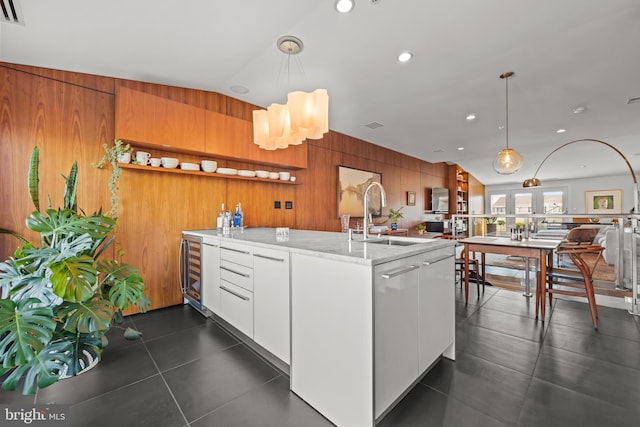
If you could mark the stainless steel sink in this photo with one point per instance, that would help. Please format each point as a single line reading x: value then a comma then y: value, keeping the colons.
x: 391, y: 242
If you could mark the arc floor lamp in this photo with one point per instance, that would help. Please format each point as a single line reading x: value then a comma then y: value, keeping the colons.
x: 535, y: 182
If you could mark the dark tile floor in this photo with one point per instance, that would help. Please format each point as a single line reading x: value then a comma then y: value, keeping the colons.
x: 511, y: 370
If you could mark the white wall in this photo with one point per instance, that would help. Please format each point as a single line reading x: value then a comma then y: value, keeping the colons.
x: 577, y: 188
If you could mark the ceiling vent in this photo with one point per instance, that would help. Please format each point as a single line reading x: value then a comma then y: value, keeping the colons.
x: 374, y: 125
x: 11, y: 12
x: 633, y: 100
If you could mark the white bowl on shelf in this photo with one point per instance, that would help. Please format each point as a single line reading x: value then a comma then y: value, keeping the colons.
x: 169, y: 162
x: 274, y: 175
x: 262, y: 174
x: 209, y: 165
x: 284, y: 176
x: 185, y: 166
x: 227, y: 171
x: 247, y: 173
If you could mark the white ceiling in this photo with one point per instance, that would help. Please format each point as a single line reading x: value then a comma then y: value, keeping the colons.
x: 565, y: 53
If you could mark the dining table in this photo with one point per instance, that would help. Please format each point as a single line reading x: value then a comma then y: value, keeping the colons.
x: 538, y: 249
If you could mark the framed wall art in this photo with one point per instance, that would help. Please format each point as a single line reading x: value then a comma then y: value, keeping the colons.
x: 351, y: 186
x: 411, y: 198
x: 603, y: 201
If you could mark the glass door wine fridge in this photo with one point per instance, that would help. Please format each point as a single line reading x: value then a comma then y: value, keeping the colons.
x: 190, y: 269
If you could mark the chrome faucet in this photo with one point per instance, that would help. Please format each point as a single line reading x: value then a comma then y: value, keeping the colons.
x: 383, y: 198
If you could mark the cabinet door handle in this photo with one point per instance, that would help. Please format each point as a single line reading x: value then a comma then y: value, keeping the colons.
x: 436, y: 260
x: 400, y: 271
x: 269, y: 257
x: 236, y: 250
x: 209, y: 244
x: 242, y: 297
x: 233, y: 271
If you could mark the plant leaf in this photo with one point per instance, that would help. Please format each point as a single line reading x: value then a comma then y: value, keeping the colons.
x: 132, y: 334
x: 125, y: 286
x: 33, y: 179
x: 60, y: 223
x: 43, y: 369
x: 86, y: 348
x: 74, y: 278
x: 70, y: 188
x: 86, y: 317
x: 25, y: 329
x: 14, y: 234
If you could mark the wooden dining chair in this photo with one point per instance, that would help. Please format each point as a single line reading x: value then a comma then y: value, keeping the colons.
x: 474, y: 266
x: 582, y: 282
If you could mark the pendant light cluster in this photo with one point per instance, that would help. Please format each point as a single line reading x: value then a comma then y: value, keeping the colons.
x: 508, y: 161
x: 305, y: 115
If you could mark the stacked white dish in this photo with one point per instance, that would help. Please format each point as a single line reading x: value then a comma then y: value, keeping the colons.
x: 274, y: 175
x: 284, y: 176
x: 169, y: 162
x: 189, y: 166
x: 209, y: 165
x: 262, y: 174
x: 247, y: 173
x: 227, y: 171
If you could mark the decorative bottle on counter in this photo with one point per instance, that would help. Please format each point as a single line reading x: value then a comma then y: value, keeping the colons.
x: 220, y: 220
x: 237, y: 217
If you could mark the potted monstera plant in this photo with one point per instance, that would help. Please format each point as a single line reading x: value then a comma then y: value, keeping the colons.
x: 59, y: 296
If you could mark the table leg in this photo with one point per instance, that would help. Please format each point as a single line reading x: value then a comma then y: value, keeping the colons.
x: 542, y: 281
x: 466, y: 274
x: 527, y: 284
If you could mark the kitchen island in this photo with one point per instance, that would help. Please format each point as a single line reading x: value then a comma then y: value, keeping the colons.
x: 363, y: 321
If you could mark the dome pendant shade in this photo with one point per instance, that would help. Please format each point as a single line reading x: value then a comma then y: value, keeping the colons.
x: 507, y: 162
x: 531, y: 183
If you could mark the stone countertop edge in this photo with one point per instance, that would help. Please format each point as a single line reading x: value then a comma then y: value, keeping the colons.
x: 328, y: 244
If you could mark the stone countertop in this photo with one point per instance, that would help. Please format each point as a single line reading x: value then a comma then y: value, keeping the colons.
x: 330, y: 245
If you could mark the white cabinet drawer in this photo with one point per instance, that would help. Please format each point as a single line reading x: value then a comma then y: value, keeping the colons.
x: 236, y: 307
x: 239, y: 254
x: 237, y: 274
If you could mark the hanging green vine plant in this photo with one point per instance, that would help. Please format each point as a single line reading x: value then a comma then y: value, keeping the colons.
x: 118, y: 153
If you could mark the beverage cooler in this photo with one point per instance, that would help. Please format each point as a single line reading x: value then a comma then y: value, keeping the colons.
x: 190, y: 270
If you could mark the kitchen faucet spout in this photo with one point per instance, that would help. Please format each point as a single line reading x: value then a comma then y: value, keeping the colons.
x: 383, y: 198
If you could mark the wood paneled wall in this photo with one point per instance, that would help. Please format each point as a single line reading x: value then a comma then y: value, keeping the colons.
x: 70, y: 115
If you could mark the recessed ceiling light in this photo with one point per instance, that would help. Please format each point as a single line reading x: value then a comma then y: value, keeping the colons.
x: 344, y: 6
x: 561, y: 131
x: 405, y: 56
x: 471, y: 117
x: 440, y: 150
x: 460, y: 148
x: 239, y: 89
x: 579, y: 110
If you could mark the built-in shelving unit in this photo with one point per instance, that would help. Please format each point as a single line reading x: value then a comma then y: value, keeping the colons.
x: 206, y: 174
x: 459, y: 197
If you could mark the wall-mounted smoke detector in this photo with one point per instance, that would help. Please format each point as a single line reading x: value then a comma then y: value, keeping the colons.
x: 11, y: 12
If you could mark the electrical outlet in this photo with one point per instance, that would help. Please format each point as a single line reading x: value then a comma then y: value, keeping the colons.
x: 276, y: 204
x: 288, y: 204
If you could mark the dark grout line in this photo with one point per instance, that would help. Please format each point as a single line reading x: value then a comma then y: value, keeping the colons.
x: 184, y: 417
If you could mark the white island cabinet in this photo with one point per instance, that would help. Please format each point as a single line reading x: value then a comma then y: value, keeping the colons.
x: 356, y: 324
x: 271, y: 301
x: 211, y: 274
x: 362, y: 336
